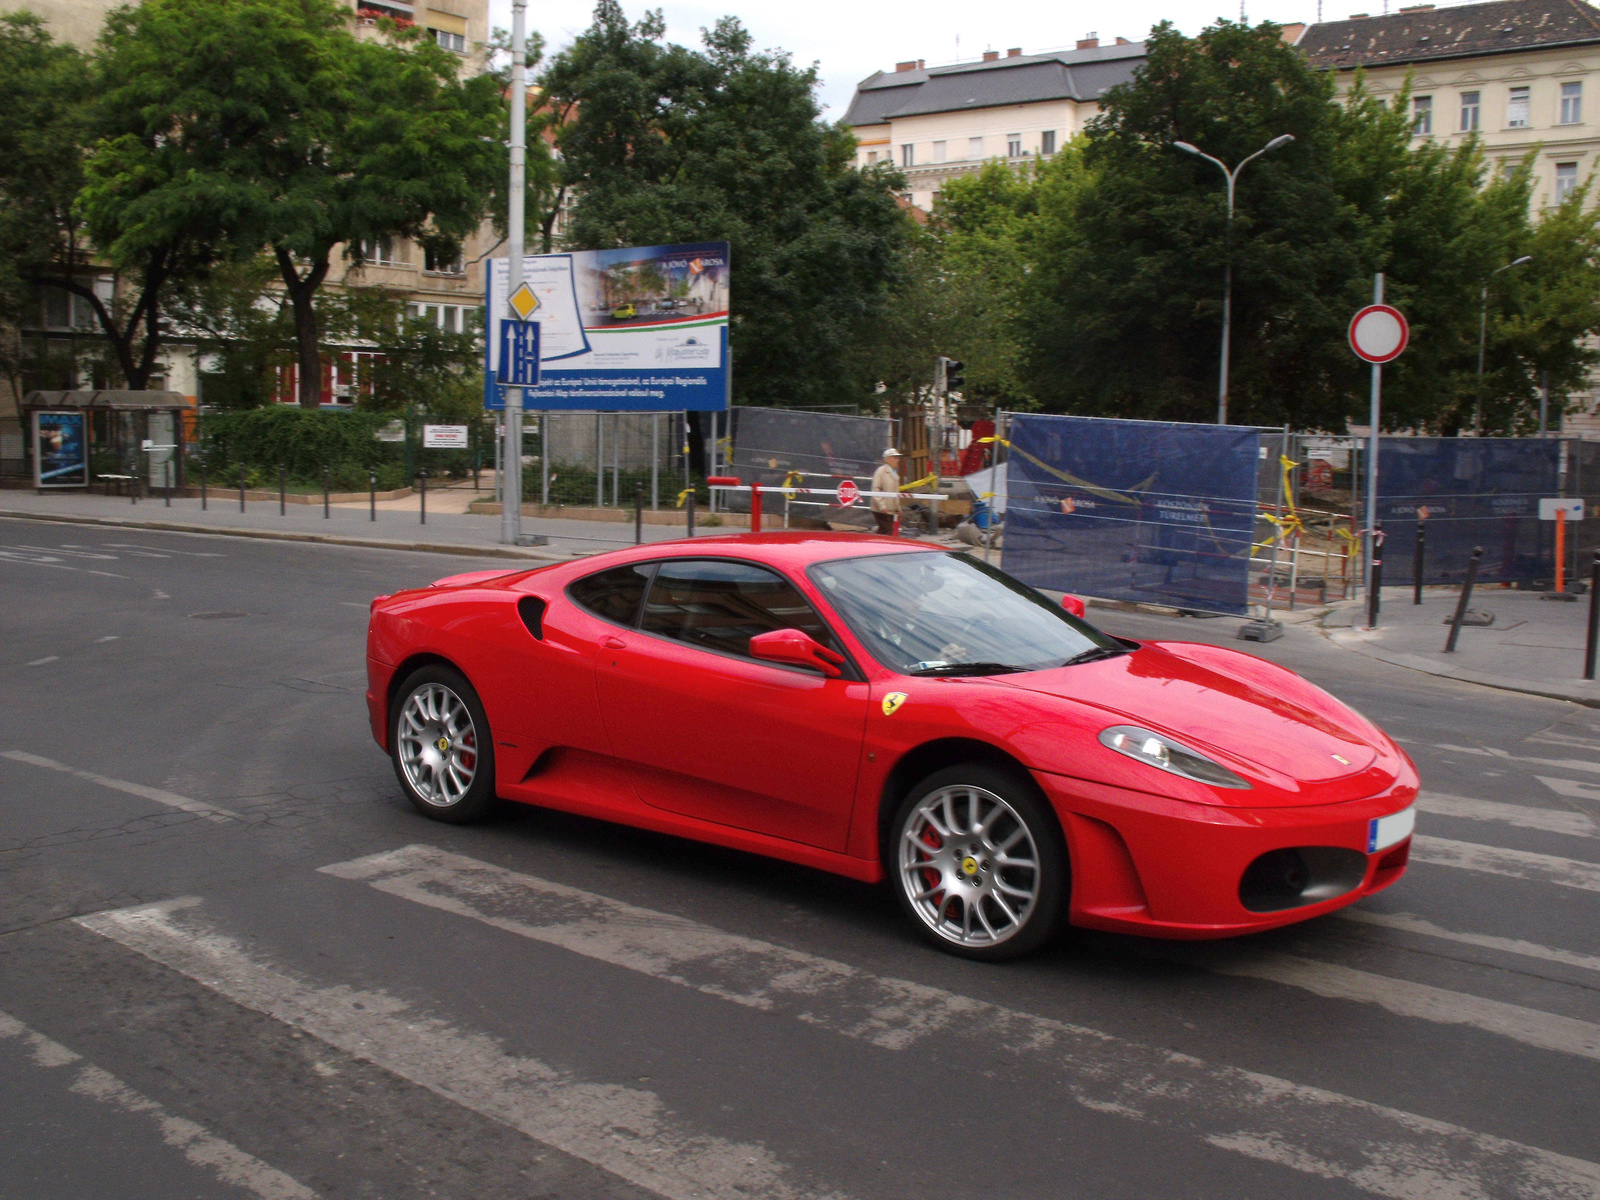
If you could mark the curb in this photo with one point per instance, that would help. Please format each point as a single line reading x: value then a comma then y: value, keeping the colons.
x: 275, y: 535
x: 1347, y: 639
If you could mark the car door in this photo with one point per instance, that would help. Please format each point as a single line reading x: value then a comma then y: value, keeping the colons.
x: 710, y: 732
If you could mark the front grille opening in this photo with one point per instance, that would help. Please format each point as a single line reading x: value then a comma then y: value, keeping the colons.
x: 1300, y: 875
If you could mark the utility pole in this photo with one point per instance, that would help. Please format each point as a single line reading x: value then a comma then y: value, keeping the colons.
x: 511, y: 487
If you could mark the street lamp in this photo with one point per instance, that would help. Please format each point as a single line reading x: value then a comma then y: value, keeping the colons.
x: 1227, y: 265
x: 1483, y: 332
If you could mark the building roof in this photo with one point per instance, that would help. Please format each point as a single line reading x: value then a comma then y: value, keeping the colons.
x: 105, y: 399
x: 1020, y: 79
x: 1425, y: 33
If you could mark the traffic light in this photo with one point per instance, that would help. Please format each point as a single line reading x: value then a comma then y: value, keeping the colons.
x: 954, y: 374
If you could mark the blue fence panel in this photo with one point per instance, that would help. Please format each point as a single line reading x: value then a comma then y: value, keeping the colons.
x: 1148, y: 511
x: 1477, y: 492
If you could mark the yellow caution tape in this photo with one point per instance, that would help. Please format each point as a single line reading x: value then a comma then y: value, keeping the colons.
x: 925, y: 481
x: 684, y: 495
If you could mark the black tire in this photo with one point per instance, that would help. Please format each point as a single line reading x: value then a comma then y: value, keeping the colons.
x: 958, y: 890
x: 432, y: 746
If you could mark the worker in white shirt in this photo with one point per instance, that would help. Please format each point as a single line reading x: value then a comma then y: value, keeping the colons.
x: 886, y: 479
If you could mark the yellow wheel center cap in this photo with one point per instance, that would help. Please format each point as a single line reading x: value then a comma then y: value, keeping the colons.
x: 443, y: 744
x: 969, y: 865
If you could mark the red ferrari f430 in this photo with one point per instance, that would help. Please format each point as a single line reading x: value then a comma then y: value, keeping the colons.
x: 892, y: 711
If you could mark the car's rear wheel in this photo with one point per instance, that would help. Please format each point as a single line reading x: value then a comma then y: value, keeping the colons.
x: 978, y: 862
x: 439, y: 740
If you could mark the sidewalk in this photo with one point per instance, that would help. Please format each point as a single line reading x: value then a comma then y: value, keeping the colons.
x: 1534, y: 645
x: 450, y: 528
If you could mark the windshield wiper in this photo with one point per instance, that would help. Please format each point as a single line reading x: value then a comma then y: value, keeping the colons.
x: 967, y: 668
x: 1093, y: 654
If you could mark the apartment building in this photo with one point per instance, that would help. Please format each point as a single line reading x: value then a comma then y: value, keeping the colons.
x: 1521, y: 75
x: 938, y: 123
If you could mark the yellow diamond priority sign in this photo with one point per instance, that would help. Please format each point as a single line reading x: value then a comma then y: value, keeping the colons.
x: 523, y: 302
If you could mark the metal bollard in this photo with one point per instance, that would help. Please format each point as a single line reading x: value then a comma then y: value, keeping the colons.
x: 688, y: 509
x: 166, y: 479
x: 241, y: 487
x: 1466, y: 598
x: 325, y: 509
x: 372, y: 495
x: 638, y: 513
x: 133, y: 482
x: 202, y: 485
x: 422, y: 493
x: 1594, y: 618
x: 283, y: 489
x: 1417, y: 556
x: 1375, y: 592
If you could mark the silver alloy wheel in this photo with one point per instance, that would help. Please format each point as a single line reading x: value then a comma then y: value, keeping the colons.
x: 438, y: 745
x: 969, y: 866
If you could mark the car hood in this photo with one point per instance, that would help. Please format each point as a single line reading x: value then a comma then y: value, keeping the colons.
x: 1293, y: 741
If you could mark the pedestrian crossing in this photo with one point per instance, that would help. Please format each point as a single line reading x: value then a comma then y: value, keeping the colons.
x: 636, y: 1133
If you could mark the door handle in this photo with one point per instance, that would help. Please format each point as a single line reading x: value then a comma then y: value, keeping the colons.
x: 614, y: 643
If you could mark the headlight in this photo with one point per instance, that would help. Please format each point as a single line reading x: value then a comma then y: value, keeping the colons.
x: 1161, y: 752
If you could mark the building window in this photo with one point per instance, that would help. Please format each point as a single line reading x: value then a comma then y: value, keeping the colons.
x: 872, y: 157
x: 1047, y: 142
x: 385, y: 252
x: 1517, y: 108
x: 440, y: 265
x: 1470, y: 108
x: 1421, y: 115
x: 938, y: 152
x: 1566, y: 180
x: 451, y: 41
x: 975, y: 147
x: 1013, y: 145
x: 452, y: 318
x: 908, y: 155
x: 1571, y: 103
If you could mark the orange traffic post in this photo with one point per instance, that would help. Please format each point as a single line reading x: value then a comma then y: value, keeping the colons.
x: 1561, y: 550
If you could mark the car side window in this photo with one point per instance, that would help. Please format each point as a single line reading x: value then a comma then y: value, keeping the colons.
x: 615, y: 594
x: 720, y: 605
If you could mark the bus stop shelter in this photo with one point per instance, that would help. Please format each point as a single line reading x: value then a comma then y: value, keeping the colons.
x: 136, y: 434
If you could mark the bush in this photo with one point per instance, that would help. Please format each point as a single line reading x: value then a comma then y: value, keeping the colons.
x: 302, y: 439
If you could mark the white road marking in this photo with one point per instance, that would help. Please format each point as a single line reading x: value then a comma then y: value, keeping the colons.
x: 163, y: 550
x: 110, y: 637
x: 1550, y: 738
x: 49, y: 658
x: 1407, y: 923
x: 63, y: 550
x: 201, y: 1147
x: 1547, y: 1031
x: 110, y: 574
x: 1515, y: 864
x: 1574, y: 824
x: 34, y: 560
x: 160, y: 595
x: 1571, y: 788
x: 625, y: 1130
x: 1382, y: 1150
x: 171, y: 799
x: 1562, y: 764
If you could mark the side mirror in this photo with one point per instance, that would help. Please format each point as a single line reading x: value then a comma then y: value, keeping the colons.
x: 798, y: 649
x: 1074, y: 605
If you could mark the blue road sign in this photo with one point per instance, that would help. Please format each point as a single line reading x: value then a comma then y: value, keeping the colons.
x: 519, y: 354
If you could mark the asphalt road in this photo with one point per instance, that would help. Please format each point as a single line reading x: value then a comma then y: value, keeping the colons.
x: 234, y: 963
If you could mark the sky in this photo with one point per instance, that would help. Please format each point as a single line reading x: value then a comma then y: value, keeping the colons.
x: 850, y: 39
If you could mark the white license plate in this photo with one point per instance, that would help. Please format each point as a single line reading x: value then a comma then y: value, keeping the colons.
x: 1383, y: 832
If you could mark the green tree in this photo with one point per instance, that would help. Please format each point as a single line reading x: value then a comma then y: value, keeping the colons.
x: 267, y: 125
x: 667, y: 144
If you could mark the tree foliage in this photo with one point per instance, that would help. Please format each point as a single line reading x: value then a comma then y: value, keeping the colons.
x: 667, y: 144
x: 1122, y: 240
x: 267, y: 125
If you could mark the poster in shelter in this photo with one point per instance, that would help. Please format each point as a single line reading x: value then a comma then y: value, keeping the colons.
x: 636, y: 329
x: 60, y: 450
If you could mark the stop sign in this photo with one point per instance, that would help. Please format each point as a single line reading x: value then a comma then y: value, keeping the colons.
x: 1379, y: 333
x: 849, y: 493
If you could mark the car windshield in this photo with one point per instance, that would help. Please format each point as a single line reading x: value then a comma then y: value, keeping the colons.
x: 949, y: 614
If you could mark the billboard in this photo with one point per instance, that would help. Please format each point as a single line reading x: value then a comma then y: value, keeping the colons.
x: 639, y: 329
x: 60, y: 451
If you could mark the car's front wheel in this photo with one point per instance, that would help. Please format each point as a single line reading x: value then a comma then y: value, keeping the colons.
x: 439, y: 740
x: 979, y: 863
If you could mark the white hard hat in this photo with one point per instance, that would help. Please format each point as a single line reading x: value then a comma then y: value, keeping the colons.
x: 893, y: 451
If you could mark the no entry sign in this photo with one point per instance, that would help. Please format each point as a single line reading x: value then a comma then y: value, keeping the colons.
x: 1379, y: 333
x: 849, y: 493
